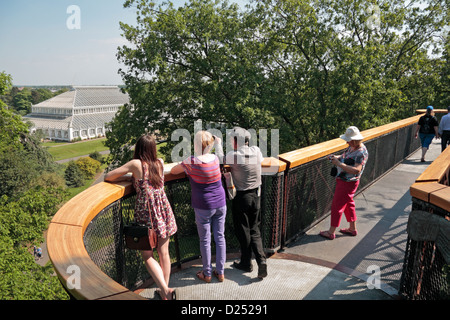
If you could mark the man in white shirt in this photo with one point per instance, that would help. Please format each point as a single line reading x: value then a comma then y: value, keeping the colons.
x: 444, y: 130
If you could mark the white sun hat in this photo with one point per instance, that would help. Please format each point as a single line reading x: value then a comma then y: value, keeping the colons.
x: 352, y: 133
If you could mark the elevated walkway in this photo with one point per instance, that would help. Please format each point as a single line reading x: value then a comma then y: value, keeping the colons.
x: 314, y: 268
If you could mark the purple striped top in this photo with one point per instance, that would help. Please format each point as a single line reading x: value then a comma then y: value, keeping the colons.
x: 206, y: 183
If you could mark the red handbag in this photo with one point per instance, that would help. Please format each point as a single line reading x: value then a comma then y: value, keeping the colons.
x: 140, y: 236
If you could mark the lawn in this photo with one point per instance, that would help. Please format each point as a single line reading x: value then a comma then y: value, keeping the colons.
x: 76, y: 149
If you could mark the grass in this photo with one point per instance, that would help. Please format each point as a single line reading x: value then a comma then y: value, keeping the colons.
x: 61, y: 151
x: 67, y: 150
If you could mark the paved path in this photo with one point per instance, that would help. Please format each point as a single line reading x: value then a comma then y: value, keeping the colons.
x: 76, y: 158
x: 314, y: 268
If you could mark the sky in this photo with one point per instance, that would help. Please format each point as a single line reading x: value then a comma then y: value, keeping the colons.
x: 47, y: 42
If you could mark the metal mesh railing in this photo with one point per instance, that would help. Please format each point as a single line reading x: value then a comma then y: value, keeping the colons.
x: 310, y: 187
x: 291, y: 202
x: 426, y: 273
x: 104, y: 242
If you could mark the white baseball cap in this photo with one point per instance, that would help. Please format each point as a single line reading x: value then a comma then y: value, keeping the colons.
x: 352, y: 133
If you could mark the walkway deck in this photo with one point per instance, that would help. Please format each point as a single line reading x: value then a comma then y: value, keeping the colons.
x: 314, y: 268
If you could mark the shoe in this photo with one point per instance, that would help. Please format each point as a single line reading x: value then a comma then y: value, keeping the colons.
x: 327, y: 235
x: 262, y: 270
x: 172, y: 294
x: 239, y: 266
x: 219, y: 277
x: 349, y: 232
x: 202, y: 277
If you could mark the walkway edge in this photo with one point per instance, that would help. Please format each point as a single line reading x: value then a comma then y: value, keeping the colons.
x: 392, y: 292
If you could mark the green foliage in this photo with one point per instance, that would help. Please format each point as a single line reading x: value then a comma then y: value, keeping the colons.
x: 96, y: 156
x: 307, y: 68
x: 22, y: 158
x: 20, y: 99
x: 5, y: 83
x: 88, y: 166
x: 23, y: 279
x: 23, y: 223
x: 30, y: 194
x: 73, y: 175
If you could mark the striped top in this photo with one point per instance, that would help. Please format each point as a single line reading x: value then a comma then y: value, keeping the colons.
x: 206, y: 183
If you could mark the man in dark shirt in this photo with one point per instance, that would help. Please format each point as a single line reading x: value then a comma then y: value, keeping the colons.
x: 427, y: 129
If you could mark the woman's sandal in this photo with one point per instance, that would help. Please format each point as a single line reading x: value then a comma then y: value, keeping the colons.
x: 327, y: 235
x: 219, y: 277
x: 202, y: 277
x: 172, y: 294
x: 349, y: 232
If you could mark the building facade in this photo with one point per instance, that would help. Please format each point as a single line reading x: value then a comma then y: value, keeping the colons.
x: 80, y: 113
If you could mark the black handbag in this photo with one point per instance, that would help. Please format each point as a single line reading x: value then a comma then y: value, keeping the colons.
x: 140, y: 236
x: 348, y: 161
x: 333, y: 171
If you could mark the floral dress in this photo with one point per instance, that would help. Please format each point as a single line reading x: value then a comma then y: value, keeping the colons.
x: 154, y: 198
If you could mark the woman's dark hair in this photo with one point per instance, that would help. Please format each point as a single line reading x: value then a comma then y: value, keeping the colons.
x: 145, y: 150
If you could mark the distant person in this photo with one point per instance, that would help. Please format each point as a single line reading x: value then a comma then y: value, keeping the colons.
x: 350, y: 167
x: 444, y: 130
x: 245, y: 167
x: 148, y: 180
x: 39, y: 253
x: 427, y: 129
x: 209, y: 203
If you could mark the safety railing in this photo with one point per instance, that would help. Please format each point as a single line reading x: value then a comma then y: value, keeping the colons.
x: 426, y: 268
x: 85, y: 241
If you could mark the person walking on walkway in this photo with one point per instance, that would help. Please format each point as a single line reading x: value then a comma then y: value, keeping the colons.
x: 350, y: 167
x: 444, y: 130
x: 209, y: 203
x: 245, y: 167
x: 148, y: 180
x: 427, y: 129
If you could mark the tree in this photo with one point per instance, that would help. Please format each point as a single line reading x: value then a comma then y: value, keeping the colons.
x: 96, y: 156
x: 22, y: 223
x: 307, y: 68
x: 73, y: 175
x: 26, y: 207
x: 333, y: 66
x: 191, y: 63
x: 88, y: 166
x: 22, y: 101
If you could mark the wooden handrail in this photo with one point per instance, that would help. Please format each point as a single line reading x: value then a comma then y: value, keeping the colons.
x: 310, y: 153
x: 420, y: 111
x: 65, y: 237
x: 65, y: 234
x: 430, y: 187
x: 66, y: 247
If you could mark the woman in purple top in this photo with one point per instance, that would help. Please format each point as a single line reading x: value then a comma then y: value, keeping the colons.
x: 209, y: 202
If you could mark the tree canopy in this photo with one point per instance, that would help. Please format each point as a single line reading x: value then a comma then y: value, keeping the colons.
x: 307, y: 68
x: 29, y: 196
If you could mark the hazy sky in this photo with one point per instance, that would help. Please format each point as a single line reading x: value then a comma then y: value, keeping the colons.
x: 42, y: 42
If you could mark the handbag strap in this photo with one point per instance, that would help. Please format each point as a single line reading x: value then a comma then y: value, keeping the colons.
x: 148, y: 201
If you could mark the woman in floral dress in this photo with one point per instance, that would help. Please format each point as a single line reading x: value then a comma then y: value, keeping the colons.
x: 151, y: 201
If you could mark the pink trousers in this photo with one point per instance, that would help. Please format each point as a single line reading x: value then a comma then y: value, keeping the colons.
x: 343, y: 202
